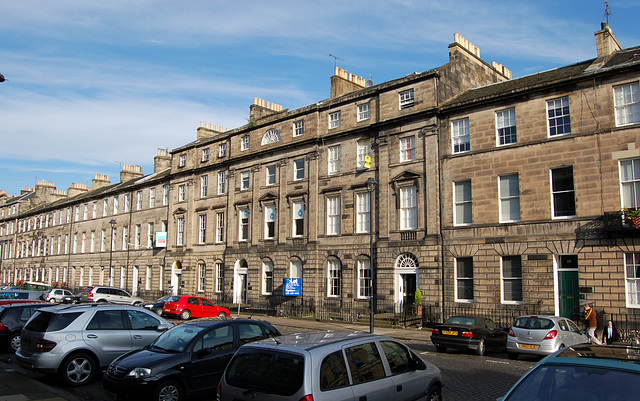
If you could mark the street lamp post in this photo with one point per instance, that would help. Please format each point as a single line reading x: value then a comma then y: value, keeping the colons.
x: 113, y: 223
x: 372, y: 183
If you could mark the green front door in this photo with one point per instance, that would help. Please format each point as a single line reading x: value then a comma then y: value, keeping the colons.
x: 569, y: 297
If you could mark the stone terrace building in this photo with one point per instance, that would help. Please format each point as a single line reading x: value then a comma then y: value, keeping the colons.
x: 535, y: 173
x: 482, y: 191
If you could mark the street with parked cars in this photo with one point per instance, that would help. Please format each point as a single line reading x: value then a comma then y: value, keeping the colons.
x: 134, y: 352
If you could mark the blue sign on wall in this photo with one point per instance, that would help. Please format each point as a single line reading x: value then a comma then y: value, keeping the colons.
x: 292, y: 286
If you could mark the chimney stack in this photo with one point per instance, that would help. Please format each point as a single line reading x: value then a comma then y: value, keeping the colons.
x: 606, y: 42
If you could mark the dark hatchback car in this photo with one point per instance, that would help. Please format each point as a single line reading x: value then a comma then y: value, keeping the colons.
x: 473, y: 333
x: 158, y: 306
x: 12, y: 320
x: 186, y: 360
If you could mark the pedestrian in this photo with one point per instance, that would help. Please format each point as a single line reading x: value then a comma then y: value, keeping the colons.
x: 610, y: 333
x: 591, y: 319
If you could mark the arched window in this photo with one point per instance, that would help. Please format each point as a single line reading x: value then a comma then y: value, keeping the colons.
x: 406, y: 260
x: 271, y: 136
x: 334, y: 278
x: 267, y: 277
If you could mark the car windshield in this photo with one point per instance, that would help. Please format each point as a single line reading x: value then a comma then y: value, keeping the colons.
x: 278, y: 373
x: 177, y: 338
x: 533, y: 323
x: 566, y: 382
x: 467, y: 321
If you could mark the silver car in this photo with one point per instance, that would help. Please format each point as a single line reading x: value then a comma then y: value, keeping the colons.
x: 542, y: 335
x: 77, y: 341
x: 329, y: 365
x: 110, y: 294
x: 56, y: 295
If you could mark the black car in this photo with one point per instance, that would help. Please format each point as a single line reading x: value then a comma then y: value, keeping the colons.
x: 469, y: 333
x: 79, y: 297
x: 185, y: 360
x: 12, y: 320
x: 158, y: 306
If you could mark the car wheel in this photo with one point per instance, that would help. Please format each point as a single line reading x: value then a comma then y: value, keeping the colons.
x: 159, y: 311
x: 52, y: 300
x: 435, y: 394
x: 13, y: 343
x: 481, y: 348
x: 441, y: 348
x: 185, y: 314
x: 102, y: 301
x: 169, y: 390
x: 512, y: 355
x: 222, y: 315
x: 78, y: 369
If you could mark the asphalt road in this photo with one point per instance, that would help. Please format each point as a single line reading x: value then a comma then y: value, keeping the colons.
x: 465, y: 376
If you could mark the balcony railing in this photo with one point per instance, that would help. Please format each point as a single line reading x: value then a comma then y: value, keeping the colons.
x: 408, y: 235
x: 618, y: 222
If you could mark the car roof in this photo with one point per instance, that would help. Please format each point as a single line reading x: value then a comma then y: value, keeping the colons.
x: 607, y: 356
x: 309, y: 340
x: 26, y: 304
x: 554, y: 318
x: 101, y: 305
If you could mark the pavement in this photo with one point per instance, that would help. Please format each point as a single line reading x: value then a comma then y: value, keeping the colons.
x: 15, y: 386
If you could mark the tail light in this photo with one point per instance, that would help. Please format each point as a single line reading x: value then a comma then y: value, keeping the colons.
x: 308, y: 397
x: 2, y: 327
x: 467, y: 334
x: 511, y: 333
x: 551, y: 335
x: 219, y: 392
x: 435, y: 331
x: 45, y: 345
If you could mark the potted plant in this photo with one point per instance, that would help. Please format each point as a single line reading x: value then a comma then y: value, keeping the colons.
x: 632, y: 217
x: 417, y: 301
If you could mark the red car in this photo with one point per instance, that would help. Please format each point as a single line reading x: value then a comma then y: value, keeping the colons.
x: 188, y: 307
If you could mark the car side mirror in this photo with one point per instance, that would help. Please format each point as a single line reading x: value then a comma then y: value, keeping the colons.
x: 162, y: 327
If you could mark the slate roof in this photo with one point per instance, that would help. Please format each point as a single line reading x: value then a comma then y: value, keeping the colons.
x: 623, y: 58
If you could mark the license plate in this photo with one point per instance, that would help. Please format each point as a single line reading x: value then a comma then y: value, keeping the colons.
x: 528, y: 346
x: 449, y: 333
x: 167, y: 310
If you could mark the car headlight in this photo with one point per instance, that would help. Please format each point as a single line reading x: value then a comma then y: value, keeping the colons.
x: 140, y: 373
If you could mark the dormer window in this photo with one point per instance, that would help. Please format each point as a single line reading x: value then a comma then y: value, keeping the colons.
x: 406, y: 99
x: 271, y: 136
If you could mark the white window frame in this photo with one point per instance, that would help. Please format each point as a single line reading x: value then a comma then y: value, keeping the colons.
x: 269, y: 221
x: 406, y: 99
x: 205, y: 155
x: 630, y: 183
x: 152, y: 197
x: 219, y: 227
x: 271, y: 175
x: 506, y: 133
x: 364, y: 111
x: 298, y: 169
x: 222, y: 179
x: 245, y: 180
x: 245, y: 142
x: 180, y: 231
x: 632, y: 279
x: 94, y: 212
x: 298, y: 128
x: 558, y: 117
x: 511, y: 279
x: 364, y: 278
x: 462, y: 202
x: 335, y: 119
x: 150, y: 235
x: 557, y: 192
x: 333, y: 215
x: 363, y: 212
x: 219, y: 277
x: 127, y: 202
x: 408, y: 208
x: 202, y: 276
x: 222, y: 150
x: 139, y: 200
x: 334, y: 278
x: 363, y: 151
x: 333, y: 156
x: 202, y: 229
x: 204, y: 185
x: 509, y: 194
x: 295, y: 268
x: 407, y: 148
x: 460, y: 135
x: 626, y: 100
x: 298, y: 211
x: 138, y: 237
x: 182, y: 193
x: 182, y: 160
x: 267, y: 277
x: 463, y: 279
x: 243, y: 224
x: 165, y: 194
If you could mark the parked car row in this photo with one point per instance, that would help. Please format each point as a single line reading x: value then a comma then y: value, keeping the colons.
x: 537, y: 335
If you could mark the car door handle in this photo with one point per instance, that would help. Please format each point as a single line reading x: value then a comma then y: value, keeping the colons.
x: 363, y: 398
x: 92, y: 336
x: 138, y: 337
x: 399, y: 388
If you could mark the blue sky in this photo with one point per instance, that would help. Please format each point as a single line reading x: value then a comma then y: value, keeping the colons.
x: 94, y: 84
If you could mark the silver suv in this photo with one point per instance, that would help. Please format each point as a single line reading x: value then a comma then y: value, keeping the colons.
x: 329, y: 365
x: 76, y: 341
x: 110, y: 294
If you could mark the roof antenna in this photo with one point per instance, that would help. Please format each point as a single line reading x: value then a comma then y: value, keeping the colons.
x: 335, y: 60
x: 607, y: 10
